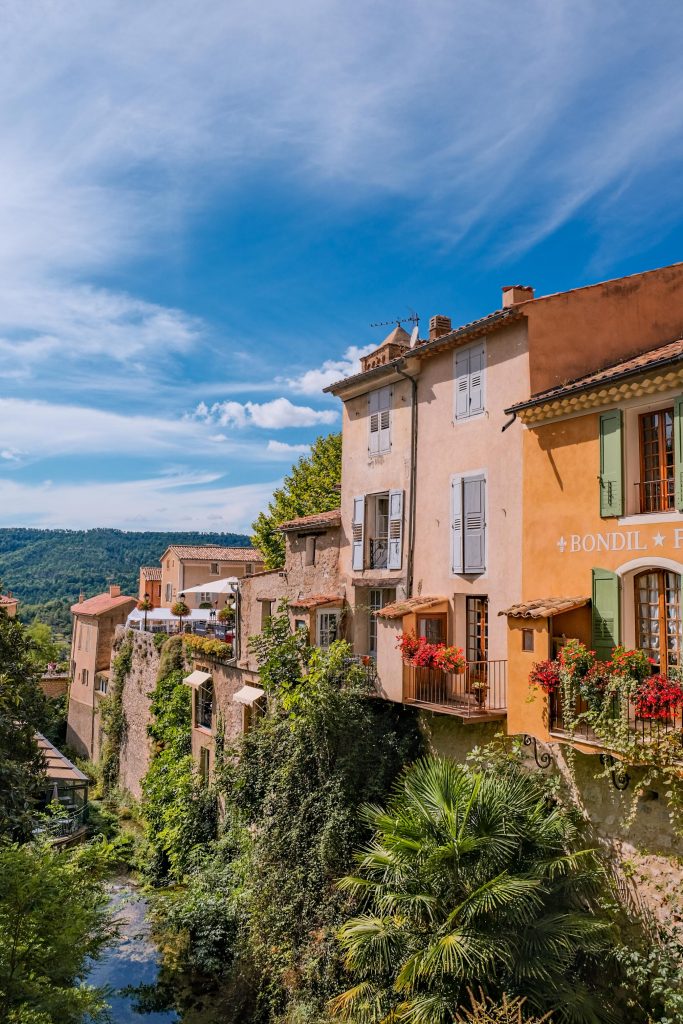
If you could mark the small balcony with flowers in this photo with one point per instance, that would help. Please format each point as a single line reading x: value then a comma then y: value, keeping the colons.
x: 417, y: 666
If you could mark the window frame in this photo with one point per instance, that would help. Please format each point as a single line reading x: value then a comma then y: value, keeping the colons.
x: 666, y: 459
x: 458, y: 481
x: 467, y: 350
x: 203, y: 702
x: 483, y: 610
x: 330, y: 613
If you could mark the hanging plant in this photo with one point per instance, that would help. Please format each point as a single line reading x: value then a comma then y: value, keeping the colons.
x: 630, y: 664
x: 419, y: 652
x: 657, y: 697
x: 546, y: 675
x: 180, y: 610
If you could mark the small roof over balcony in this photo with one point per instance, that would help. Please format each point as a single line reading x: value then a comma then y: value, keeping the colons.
x: 408, y: 606
x: 315, y: 601
x: 545, y: 607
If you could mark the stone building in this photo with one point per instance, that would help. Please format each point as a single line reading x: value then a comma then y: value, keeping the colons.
x: 94, y: 625
x: 184, y: 566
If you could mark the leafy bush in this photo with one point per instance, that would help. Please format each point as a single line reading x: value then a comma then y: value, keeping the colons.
x: 208, y: 645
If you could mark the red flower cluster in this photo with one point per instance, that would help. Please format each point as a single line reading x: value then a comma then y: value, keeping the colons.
x: 657, y: 697
x: 419, y: 652
x: 633, y: 664
x: 545, y: 674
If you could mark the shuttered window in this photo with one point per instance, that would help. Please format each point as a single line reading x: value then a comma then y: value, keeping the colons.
x: 611, y: 464
x: 379, y: 415
x: 357, y: 530
x: 395, y: 557
x: 605, y: 613
x: 470, y: 374
x: 468, y: 524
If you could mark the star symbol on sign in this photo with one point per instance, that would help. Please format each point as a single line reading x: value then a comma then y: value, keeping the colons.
x: 562, y: 544
x: 658, y: 539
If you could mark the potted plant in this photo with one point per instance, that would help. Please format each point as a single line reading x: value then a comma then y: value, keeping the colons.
x: 180, y: 610
x: 658, y: 698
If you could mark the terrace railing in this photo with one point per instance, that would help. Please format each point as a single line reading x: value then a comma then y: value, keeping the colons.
x: 479, y: 690
x: 645, y: 730
x: 656, y: 495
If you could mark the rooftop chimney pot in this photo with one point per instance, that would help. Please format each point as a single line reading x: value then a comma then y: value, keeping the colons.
x: 514, y: 293
x: 438, y: 326
x: 114, y: 590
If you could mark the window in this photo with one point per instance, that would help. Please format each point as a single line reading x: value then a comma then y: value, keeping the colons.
x: 383, y: 515
x: 657, y: 460
x: 433, y: 627
x: 266, y: 612
x: 328, y: 628
x: 84, y: 676
x: 470, y: 371
x: 204, y: 763
x: 80, y: 635
x: 203, y: 705
x: 658, y: 617
x: 379, y: 414
x: 310, y: 549
x: 249, y: 569
x: 377, y: 599
x: 299, y: 624
x: 527, y: 639
x: 468, y: 525
x: 101, y: 684
x: 477, y: 616
x: 213, y: 569
x: 169, y: 591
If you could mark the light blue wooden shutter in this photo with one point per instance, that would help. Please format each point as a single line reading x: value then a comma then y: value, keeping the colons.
x: 373, y: 416
x: 476, y: 380
x: 456, y: 524
x: 605, y: 613
x: 462, y: 384
x: 395, y: 558
x: 385, y: 419
x: 474, y: 509
x: 678, y: 452
x: 611, y: 464
x: 357, y: 530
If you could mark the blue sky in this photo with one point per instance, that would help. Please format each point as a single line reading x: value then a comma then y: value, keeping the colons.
x: 204, y: 205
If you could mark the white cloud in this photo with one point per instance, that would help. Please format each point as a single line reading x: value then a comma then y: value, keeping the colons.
x: 276, y: 415
x: 178, y: 502
x: 282, y: 448
x: 312, y: 382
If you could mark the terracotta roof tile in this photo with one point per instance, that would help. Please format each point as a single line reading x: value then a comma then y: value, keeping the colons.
x: 410, y: 604
x: 214, y: 553
x: 101, y: 603
x: 672, y: 352
x: 57, y: 765
x: 331, y: 518
x: 6, y: 599
x: 315, y: 601
x: 150, y: 572
x: 545, y: 607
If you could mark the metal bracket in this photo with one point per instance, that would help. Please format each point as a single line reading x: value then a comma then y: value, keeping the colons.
x: 542, y: 759
x: 620, y: 777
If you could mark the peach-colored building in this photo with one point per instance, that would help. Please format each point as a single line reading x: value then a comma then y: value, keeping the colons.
x: 184, y: 566
x: 150, y: 584
x: 94, y: 623
x: 9, y: 605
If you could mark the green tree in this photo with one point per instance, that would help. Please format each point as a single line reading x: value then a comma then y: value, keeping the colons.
x: 53, y: 917
x: 45, y: 648
x: 312, y: 486
x: 23, y: 712
x: 473, y: 879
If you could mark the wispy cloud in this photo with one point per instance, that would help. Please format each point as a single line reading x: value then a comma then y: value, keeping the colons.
x: 287, y: 450
x: 312, y: 382
x: 276, y: 415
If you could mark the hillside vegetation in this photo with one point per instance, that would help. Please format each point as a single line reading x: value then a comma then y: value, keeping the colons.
x: 47, y: 569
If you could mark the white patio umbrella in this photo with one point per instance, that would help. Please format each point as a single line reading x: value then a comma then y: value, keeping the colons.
x: 227, y: 586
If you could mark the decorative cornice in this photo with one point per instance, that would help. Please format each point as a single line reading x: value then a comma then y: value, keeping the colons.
x: 602, y: 396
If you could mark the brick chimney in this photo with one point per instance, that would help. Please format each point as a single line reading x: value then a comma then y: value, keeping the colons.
x: 114, y: 590
x: 438, y: 326
x: 514, y: 293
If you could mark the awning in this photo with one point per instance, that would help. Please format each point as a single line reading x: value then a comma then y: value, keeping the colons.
x: 58, y: 767
x: 408, y: 606
x: 545, y: 607
x: 197, y: 678
x: 248, y: 695
x: 226, y: 586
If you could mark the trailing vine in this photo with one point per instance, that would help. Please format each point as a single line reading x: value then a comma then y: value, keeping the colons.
x: 113, y: 717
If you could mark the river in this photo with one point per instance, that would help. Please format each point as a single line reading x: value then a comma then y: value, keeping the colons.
x: 132, y: 964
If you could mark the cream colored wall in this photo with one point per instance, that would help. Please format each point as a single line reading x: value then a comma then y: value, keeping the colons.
x: 389, y: 665
x: 447, y: 448
x: 185, y: 573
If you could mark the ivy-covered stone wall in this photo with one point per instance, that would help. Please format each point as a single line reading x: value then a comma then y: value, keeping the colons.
x: 139, y: 682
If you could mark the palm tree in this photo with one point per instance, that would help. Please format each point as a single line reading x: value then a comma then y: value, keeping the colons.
x: 473, y: 879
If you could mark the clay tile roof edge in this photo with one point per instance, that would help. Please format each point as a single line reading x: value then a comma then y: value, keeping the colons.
x: 545, y: 607
x: 408, y: 605
x: 331, y: 517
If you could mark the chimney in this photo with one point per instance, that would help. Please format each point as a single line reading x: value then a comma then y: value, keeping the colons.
x: 81, y: 597
x: 438, y: 326
x: 114, y: 590
x: 514, y: 293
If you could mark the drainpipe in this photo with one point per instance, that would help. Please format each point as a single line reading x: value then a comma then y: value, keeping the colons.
x: 509, y: 423
x: 413, y: 477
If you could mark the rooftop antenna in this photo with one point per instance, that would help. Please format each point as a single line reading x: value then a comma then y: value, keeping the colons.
x: 412, y: 318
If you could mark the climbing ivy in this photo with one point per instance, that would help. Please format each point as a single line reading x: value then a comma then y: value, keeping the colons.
x: 113, y: 717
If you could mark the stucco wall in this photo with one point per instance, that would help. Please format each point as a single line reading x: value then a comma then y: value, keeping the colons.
x: 79, y: 726
x: 227, y: 680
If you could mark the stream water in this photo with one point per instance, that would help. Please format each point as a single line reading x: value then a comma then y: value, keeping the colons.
x: 130, y: 969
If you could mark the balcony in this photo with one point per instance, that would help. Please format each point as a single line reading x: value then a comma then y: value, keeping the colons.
x: 644, y: 730
x: 656, y: 495
x: 477, y: 694
x: 379, y: 549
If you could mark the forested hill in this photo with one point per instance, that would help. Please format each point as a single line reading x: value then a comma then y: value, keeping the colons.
x: 47, y: 569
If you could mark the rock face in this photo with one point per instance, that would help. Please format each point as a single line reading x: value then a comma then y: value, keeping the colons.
x: 137, y: 690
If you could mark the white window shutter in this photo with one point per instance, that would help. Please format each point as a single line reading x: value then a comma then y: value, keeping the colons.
x: 357, y: 526
x: 395, y: 558
x: 373, y: 416
x: 477, y: 356
x: 456, y: 524
x: 474, y: 509
x: 385, y: 395
x: 462, y: 384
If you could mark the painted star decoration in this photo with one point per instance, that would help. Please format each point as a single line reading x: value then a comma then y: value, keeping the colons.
x: 658, y: 539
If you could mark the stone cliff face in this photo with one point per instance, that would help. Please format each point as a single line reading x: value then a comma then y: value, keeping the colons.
x: 137, y: 690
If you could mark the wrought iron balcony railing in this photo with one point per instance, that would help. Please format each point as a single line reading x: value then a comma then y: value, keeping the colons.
x: 379, y: 549
x: 644, y: 730
x: 479, y: 690
x: 656, y: 495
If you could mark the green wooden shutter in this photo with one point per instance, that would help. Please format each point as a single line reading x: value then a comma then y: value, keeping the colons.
x: 611, y: 464
x: 605, y: 613
x: 678, y: 452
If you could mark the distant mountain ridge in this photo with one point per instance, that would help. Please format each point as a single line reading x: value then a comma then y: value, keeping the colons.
x: 47, y: 569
